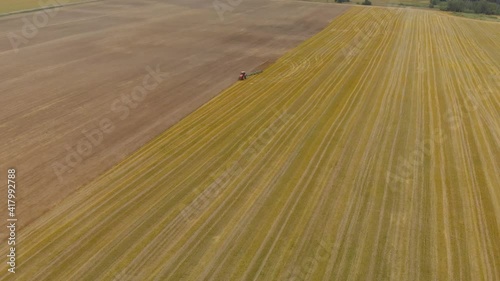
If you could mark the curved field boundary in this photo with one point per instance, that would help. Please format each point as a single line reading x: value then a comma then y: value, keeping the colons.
x: 370, y: 152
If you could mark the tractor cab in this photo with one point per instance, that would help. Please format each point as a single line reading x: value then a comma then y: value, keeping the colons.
x: 243, y: 75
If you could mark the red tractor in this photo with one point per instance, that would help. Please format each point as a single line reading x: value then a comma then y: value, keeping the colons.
x: 243, y: 75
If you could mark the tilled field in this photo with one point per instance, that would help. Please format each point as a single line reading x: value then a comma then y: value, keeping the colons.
x: 370, y: 152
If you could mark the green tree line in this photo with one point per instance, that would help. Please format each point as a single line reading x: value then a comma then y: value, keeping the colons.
x: 488, y: 7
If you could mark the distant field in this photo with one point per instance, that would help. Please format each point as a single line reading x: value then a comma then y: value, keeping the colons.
x: 370, y: 152
x: 7, y: 6
x: 415, y: 3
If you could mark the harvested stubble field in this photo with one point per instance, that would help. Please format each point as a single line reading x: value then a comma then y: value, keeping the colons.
x: 370, y: 152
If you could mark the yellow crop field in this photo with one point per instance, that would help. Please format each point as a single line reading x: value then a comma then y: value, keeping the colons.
x: 369, y: 152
